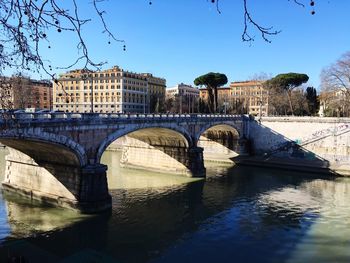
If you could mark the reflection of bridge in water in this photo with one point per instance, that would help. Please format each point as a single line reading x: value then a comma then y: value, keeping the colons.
x: 56, y: 157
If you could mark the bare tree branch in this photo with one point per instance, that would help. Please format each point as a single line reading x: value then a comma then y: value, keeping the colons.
x: 265, y: 32
x: 23, y: 29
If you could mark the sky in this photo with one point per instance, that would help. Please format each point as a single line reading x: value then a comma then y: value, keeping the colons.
x: 180, y: 40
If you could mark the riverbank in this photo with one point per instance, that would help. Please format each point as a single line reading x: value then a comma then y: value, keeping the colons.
x: 292, y: 164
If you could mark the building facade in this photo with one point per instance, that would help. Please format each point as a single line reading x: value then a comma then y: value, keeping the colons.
x: 156, y: 92
x: 250, y: 97
x: 334, y: 103
x: 25, y: 93
x: 109, y: 91
x: 185, y: 98
x: 224, y: 97
x: 183, y: 90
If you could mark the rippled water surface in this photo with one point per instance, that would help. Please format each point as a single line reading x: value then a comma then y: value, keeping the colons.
x: 238, y: 214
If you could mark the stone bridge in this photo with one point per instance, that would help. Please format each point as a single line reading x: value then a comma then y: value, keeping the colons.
x: 56, y: 157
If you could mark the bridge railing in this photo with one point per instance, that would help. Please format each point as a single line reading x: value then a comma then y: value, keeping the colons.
x: 87, y: 116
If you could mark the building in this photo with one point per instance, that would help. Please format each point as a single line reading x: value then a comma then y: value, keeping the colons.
x: 183, y: 90
x: 109, y: 91
x: 249, y: 97
x: 224, y: 97
x: 23, y: 93
x: 185, y: 97
x: 334, y: 103
x: 156, y: 91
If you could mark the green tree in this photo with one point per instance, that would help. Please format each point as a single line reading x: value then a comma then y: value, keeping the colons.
x: 312, y: 100
x: 212, y: 81
x: 287, y: 82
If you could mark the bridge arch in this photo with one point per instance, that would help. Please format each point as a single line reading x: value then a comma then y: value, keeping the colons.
x: 220, y: 142
x: 47, y: 167
x: 224, y: 126
x: 166, y: 135
x: 47, y: 148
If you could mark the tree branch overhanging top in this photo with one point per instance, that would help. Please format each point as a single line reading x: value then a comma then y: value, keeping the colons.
x: 266, y: 32
x: 25, y: 27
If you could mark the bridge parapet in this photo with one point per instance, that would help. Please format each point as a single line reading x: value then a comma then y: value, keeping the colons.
x: 34, y: 117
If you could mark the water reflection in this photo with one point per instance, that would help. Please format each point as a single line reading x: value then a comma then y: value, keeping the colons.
x: 236, y: 214
x: 121, y: 178
x: 329, y: 237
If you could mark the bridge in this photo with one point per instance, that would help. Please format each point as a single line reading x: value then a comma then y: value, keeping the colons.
x: 56, y: 157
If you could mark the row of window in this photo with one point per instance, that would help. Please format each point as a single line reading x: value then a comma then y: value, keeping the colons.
x: 100, y: 99
x: 100, y: 106
x: 106, y: 87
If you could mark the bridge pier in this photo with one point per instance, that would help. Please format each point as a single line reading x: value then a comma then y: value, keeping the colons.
x: 196, y: 162
x: 84, y: 189
x: 94, y: 195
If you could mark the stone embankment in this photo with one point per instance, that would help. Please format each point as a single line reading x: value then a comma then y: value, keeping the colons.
x: 308, y: 144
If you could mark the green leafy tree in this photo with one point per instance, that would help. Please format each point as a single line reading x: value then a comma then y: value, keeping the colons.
x: 211, y: 81
x: 287, y: 82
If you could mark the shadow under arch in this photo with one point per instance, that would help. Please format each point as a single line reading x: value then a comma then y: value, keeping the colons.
x: 155, y: 148
x: 170, y: 134
x: 47, y: 148
x: 44, y: 167
x: 224, y: 126
x: 220, y: 142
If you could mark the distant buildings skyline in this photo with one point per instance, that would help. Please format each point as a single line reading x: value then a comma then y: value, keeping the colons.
x: 117, y: 90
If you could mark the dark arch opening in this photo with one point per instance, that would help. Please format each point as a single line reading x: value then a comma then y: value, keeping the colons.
x: 154, y: 148
x: 42, y: 170
x: 44, y: 152
x: 220, y: 143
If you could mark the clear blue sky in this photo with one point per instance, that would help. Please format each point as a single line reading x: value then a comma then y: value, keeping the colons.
x: 182, y: 39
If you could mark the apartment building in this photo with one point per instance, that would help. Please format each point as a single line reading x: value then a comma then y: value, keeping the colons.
x: 182, y: 90
x: 224, y: 93
x: 22, y: 92
x: 156, y: 91
x: 224, y: 97
x: 112, y: 90
x: 184, y: 97
x: 250, y: 97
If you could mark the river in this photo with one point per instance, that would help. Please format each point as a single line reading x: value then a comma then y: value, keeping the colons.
x: 238, y: 214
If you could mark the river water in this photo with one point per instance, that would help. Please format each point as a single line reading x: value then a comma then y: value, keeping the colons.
x: 238, y: 214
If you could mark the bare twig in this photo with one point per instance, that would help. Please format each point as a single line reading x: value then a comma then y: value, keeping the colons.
x: 24, y: 27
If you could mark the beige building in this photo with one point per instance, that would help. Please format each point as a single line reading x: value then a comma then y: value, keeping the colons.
x: 185, y: 96
x: 249, y: 97
x: 334, y: 103
x: 224, y: 97
x: 182, y: 90
x: 156, y: 91
x: 109, y: 91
